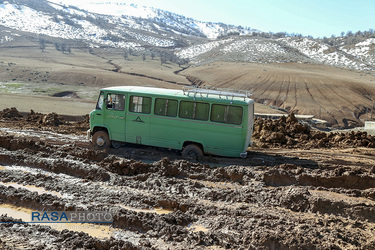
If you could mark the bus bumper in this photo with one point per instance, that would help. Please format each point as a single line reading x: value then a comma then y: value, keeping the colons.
x: 88, y: 134
x: 243, y: 155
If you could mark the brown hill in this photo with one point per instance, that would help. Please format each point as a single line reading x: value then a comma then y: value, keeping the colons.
x: 342, y: 97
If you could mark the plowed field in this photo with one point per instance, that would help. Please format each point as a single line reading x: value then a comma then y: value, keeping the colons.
x: 280, y: 197
x: 341, y: 97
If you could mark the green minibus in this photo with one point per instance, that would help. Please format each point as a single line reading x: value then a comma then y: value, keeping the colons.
x: 195, y: 120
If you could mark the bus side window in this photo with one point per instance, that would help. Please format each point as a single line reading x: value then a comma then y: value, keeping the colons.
x: 234, y: 115
x: 201, y: 111
x: 226, y: 114
x: 166, y: 107
x: 194, y: 110
x: 140, y: 104
x: 187, y: 110
x: 115, y: 102
x: 218, y: 113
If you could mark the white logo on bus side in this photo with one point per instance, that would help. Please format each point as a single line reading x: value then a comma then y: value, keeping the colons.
x: 111, y: 116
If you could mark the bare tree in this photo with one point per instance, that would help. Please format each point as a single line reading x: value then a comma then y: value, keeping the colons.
x: 163, y: 59
x: 42, y: 44
x: 57, y: 46
x: 63, y: 47
x: 358, y: 34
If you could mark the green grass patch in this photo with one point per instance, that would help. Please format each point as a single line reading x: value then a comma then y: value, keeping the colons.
x: 14, y: 85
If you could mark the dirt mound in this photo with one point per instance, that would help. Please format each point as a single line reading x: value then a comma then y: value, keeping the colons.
x: 288, y: 132
x: 85, y: 122
x: 33, y: 117
x: 10, y: 113
x: 51, y: 121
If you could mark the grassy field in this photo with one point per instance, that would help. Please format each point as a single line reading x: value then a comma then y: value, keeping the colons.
x: 340, y: 96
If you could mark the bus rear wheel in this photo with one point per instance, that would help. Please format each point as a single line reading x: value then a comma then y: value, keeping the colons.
x: 101, y: 139
x: 192, y: 151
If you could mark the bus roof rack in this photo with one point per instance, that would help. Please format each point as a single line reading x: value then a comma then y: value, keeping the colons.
x: 228, y: 93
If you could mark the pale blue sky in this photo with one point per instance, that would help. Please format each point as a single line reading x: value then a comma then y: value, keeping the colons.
x: 315, y: 17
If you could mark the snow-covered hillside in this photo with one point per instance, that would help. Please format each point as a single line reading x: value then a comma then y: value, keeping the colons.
x: 37, y: 22
x: 113, y: 8
x: 118, y: 25
x: 173, y: 21
x: 360, y: 56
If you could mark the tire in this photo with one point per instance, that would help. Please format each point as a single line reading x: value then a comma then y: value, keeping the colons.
x: 192, y: 151
x: 101, y: 140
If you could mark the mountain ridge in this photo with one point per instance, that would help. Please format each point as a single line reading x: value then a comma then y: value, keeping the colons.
x: 186, y: 38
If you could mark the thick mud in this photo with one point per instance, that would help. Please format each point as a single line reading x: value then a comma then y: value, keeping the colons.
x: 282, y: 196
x: 289, y: 133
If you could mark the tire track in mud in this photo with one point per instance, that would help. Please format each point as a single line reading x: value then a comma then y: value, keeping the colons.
x: 270, y: 198
x: 26, y: 236
x: 283, y: 201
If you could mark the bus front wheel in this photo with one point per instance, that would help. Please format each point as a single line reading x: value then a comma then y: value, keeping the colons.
x: 101, y: 139
x: 192, y: 151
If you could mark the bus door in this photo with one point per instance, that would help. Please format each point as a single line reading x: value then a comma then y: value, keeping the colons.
x: 115, y: 116
x: 138, y: 120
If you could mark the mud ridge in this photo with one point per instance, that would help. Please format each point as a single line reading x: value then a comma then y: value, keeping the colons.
x: 297, y: 196
x: 289, y: 133
x: 43, y: 237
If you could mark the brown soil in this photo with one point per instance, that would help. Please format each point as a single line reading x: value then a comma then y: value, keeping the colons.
x: 340, y: 96
x: 288, y: 132
x: 282, y: 196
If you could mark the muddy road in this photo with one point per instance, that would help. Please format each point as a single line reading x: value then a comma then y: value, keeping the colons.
x: 284, y: 195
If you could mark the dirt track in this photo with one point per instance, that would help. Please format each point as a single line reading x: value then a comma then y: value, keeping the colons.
x: 280, y: 197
